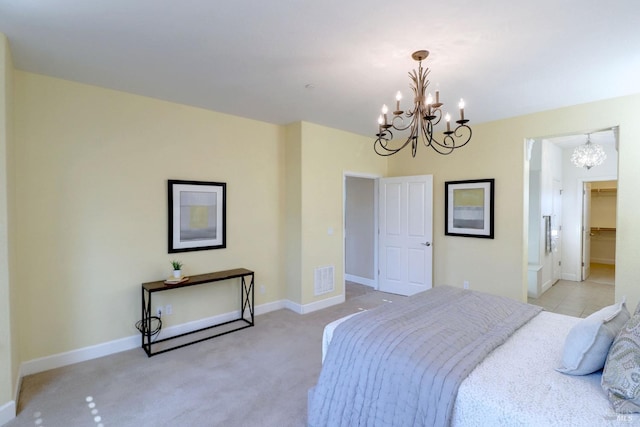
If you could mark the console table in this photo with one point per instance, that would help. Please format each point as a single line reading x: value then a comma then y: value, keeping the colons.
x: 245, y: 320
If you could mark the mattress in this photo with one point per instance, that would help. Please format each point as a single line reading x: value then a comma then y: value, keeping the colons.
x: 516, y: 385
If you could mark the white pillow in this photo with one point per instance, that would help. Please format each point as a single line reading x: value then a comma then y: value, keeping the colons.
x: 588, y: 342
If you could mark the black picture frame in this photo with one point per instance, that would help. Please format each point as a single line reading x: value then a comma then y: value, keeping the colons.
x: 197, y: 215
x: 468, y: 208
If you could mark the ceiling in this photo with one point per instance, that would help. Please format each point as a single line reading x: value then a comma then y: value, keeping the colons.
x: 598, y: 136
x: 334, y: 62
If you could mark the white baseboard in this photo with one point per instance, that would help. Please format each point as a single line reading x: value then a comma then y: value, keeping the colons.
x: 360, y: 280
x: 79, y: 355
x: 123, y: 344
x: 270, y: 306
x: 546, y: 286
x: 7, y: 412
x: 315, y: 306
x: 572, y: 277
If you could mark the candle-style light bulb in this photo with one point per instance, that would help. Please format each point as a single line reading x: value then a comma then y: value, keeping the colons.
x: 448, y: 119
x: 437, y: 97
x: 380, y: 122
x: 398, y: 98
x: 429, y: 102
x: 461, y: 106
x: 385, y: 109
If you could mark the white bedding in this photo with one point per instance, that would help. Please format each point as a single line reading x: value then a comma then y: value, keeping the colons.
x: 516, y: 385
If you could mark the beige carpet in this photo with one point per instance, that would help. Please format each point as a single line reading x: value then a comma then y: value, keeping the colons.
x: 255, y: 377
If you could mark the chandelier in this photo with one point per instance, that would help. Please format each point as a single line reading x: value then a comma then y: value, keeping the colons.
x: 425, y: 114
x: 588, y: 155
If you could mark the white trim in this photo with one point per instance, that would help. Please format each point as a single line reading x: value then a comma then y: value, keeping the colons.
x: 270, y: 306
x: 7, y: 412
x: 123, y: 344
x: 570, y: 276
x: 79, y: 355
x: 360, y: 280
x: 315, y: 306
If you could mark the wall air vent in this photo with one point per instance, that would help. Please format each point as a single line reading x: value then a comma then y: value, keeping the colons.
x: 323, y: 280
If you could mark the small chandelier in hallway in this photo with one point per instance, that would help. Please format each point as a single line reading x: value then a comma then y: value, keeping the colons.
x: 588, y: 155
x: 425, y: 114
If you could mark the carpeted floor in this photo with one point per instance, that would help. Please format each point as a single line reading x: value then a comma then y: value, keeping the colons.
x: 255, y: 377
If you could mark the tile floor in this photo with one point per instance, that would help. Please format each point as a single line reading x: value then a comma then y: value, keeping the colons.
x: 580, y: 299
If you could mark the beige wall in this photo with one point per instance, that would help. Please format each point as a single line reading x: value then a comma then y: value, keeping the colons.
x: 293, y: 212
x: 9, y: 355
x: 497, y: 151
x: 91, y: 183
x: 326, y: 155
x: 92, y: 170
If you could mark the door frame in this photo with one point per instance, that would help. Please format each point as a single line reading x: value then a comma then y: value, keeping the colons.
x: 375, y: 178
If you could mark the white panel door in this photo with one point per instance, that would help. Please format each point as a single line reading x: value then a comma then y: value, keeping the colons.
x: 406, y: 231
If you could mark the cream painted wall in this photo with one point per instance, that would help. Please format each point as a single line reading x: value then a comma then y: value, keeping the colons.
x: 293, y: 212
x: 326, y: 155
x: 8, y: 349
x: 92, y: 168
x: 95, y: 162
x: 497, y: 151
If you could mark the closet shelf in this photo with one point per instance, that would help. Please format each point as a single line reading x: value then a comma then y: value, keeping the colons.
x: 604, y: 192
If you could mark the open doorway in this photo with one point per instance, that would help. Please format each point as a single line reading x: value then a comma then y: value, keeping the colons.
x: 599, y: 237
x: 360, y: 233
x: 561, y: 253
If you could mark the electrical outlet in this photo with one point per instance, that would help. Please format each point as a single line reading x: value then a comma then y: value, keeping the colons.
x: 466, y: 284
x: 168, y: 310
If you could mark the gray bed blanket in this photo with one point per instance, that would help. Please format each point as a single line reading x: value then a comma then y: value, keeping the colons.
x: 401, y: 364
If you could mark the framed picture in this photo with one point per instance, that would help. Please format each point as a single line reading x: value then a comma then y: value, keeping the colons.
x: 468, y: 208
x: 197, y: 215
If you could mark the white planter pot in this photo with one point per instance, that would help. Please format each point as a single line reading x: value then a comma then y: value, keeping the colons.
x: 177, y: 273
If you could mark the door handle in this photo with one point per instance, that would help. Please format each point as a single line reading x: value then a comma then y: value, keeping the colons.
x: 426, y: 243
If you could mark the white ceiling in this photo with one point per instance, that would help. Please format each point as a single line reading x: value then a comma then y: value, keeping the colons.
x: 600, y: 136
x: 255, y: 58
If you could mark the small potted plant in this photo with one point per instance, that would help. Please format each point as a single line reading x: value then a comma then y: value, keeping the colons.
x: 177, y: 269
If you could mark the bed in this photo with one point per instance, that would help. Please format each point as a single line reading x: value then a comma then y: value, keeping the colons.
x: 515, y: 384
